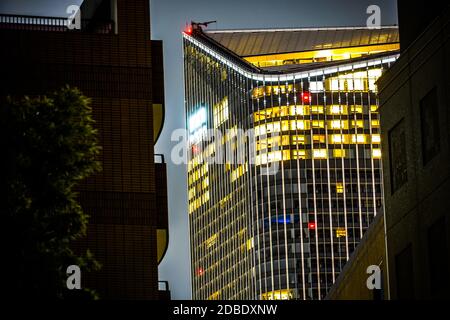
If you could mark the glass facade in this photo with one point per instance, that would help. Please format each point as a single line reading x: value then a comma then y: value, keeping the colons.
x: 284, y: 171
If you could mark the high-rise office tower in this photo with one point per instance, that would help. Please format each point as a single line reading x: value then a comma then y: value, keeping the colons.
x: 110, y: 57
x: 284, y: 172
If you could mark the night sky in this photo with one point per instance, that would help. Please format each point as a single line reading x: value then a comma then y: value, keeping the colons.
x: 168, y: 18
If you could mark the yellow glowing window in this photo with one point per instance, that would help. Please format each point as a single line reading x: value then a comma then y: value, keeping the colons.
x: 320, y: 153
x: 211, y: 241
x: 319, y: 138
x: 338, y: 153
x: 341, y: 232
x: 299, y: 154
x: 318, y: 124
x: 285, y: 125
x: 339, y: 138
x: 250, y: 243
x: 376, y: 138
x: 358, y: 123
x: 298, y: 110
x: 214, y: 296
x: 339, y: 187
x: 299, y: 125
x: 338, y: 124
x: 316, y: 109
x: 238, y: 172
x: 336, y: 109
x: 356, y: 109
x: 191, y: 193
x: 373, y: 108
x: 297, y: 139
x: 376, y: 153
x: 359, y: 138
x: 375, y: 123
x: 284, y: 294
x: 205, y: 183
x: 220, y: 111
x: 273, y: 156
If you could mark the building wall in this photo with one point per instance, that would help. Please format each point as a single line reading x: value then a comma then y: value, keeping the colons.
x: 115, y: 71
x: 414, y: 109
x: 352, y: 281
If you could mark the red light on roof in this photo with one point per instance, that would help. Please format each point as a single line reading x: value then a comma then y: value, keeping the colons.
x: 312, y: 226
x: 306, y: 97
x: 200, y: 271
x: 188, y: 30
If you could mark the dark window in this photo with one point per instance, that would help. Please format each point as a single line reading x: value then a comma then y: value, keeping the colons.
x: 397, y: 156
x: 429, y: 117
x: 405, y: 274
x: 438, y: 259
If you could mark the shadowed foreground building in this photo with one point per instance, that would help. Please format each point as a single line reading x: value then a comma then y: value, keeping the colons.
x: 414, y: 111
x: 277, y: 213
x: 415, y: 126
x: 113, y: 61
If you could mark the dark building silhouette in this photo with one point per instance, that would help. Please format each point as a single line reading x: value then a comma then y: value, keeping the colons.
x: 415, y: 135
x: 112, y: 60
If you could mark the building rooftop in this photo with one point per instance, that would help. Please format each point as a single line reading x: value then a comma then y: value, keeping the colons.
x: 246, y: 43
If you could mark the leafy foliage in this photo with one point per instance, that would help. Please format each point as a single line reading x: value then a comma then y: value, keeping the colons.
x: 49, y: 144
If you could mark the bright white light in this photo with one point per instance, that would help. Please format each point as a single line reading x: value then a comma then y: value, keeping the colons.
x: 197, y: 120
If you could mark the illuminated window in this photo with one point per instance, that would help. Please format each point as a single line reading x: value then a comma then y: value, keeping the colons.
x: 316, y: 86
x: 318, y: 124
x: 375, y: 123
x: 338, y: 124
x: 336, y: 109
x: 376, y: 138
x: 373, y: 108
x: 358, y: 138
x: 341, y: 232
x: 376, y: 153
x: 298, y: 110
x: 220, y: 111
x: 238, y: 172
x: 285, y: 125
x: 272, y: 156
x: 320, y: 153
x: 339, y: 187
x: 211, y: 241
x: 338, y: 153
x: 358, y: 123
x: 339, y: 138
x: 284, y: 294
x: 356, y: 109
x: 250, y: 243
x: 316, y: 109
x: 319, y: 138
x: 214, y: 296
x: 299, y: 125
x: 299, y: 154
x: 298, y: 139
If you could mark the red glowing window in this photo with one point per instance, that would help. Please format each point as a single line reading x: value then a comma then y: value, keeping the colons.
x: 306, y: 97
x: 200, y: 271
x: 312, y: 226
x: 195, y: 149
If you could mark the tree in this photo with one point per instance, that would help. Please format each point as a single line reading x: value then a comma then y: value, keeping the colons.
x: 49, y: 145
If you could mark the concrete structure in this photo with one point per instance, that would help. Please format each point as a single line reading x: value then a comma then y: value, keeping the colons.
x: 415, y: 127
x: 351, y: 284
x: 113, y: 61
